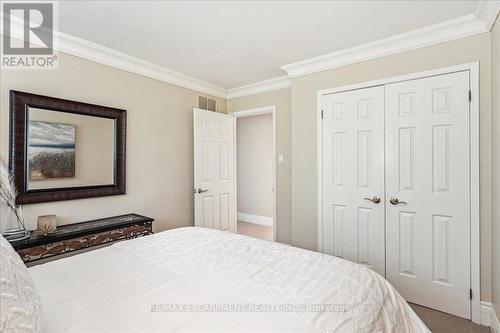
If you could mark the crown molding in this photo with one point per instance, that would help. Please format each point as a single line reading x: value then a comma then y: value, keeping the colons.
x: 101, y: 54
x: 461, y: 27
x: 479, y: 22
x: 487, y: 11
x: 97, y: 53
x: 466, y: 26
x: 260, y: 87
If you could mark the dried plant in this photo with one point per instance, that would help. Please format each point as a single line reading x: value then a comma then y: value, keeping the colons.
x: 8, y: 192
x: 46, y: 229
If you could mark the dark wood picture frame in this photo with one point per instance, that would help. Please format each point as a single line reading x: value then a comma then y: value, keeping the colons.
x: 20, y: 102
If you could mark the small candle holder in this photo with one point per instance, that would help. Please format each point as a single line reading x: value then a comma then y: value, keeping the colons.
x: 46, y: 224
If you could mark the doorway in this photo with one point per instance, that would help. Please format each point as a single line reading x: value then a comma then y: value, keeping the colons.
x: 255, y: 172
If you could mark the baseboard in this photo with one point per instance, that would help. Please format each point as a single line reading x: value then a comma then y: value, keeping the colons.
x: 255, y: 219
x: 489, y: 317
x: 486, y: 309
x: 494, y: 322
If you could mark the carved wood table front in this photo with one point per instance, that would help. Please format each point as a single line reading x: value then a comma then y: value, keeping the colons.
x: 83, y: 235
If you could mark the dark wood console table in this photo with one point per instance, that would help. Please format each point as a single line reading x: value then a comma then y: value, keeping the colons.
x: 83, y: 235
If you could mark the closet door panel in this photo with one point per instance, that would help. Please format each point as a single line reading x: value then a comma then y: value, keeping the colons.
x: 427, y: 168
x: 353, y: 158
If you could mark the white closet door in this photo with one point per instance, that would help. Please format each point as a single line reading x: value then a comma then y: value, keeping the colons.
x: 427, y: 161
x: 214, y: 177
x: 353, y: 173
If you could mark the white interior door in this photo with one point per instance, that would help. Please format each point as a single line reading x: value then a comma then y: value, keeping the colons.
x: 427, y: 161
x: 353, y: 177
x: 214, y: 176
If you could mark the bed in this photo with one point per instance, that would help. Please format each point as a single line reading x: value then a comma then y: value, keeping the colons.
x: 203, y: 280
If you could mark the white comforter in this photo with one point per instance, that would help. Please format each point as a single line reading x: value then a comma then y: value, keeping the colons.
x: 165, y: 283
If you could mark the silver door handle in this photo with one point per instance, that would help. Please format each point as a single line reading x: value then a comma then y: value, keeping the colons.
x: 200, y: 191
x: 375, y: 199
x: 395, y: 201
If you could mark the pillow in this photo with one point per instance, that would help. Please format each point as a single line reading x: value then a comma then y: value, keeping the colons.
x: 19, y: 299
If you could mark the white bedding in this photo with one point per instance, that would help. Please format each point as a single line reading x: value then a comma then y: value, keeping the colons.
x: 116, y: 289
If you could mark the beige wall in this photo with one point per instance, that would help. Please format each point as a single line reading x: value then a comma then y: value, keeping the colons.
x: 280, y: 99
x: 159, y: 169
x: 495, y: 89
x: 303, y: 112
x: 254, y: 146
x: 159, y: 139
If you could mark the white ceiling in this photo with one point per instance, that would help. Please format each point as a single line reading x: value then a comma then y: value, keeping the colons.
x: 233, y: 43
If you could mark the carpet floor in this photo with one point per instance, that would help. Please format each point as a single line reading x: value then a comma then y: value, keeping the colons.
x: 255, y: 230
x: 440, y: 322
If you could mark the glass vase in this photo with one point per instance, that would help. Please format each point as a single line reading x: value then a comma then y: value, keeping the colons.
x: 10, y: 227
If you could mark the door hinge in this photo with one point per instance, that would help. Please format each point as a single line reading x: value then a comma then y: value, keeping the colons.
x: 470, y: 95
x: 470, y: 293
x: 322, y: 114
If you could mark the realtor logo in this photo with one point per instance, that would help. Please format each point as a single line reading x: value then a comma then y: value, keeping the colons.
x: 28, y: 35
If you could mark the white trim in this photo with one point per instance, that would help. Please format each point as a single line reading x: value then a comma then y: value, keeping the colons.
x: 438, y: 33
x: 481, y: 21
x: 487, y: 11
x: 256, y: 219
x: 319, y: 153
x: 494, y: 322
x: 260, y: 87
x: 94, y: 52
x: 485, y: 313
x: 475, y: 218
x: 473, y: 68
x: 469, y: 25
x: 235, y: 175
x: 254, y: 112
x: 489, y: 317
x: 98, y: 53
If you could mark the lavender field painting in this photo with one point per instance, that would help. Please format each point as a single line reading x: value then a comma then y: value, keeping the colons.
x: 51, y: 150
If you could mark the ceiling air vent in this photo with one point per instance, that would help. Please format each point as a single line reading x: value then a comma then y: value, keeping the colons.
x: 206, y: 103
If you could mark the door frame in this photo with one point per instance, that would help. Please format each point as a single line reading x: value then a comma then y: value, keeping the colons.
x: 271, y: 109
x: 474, y: 218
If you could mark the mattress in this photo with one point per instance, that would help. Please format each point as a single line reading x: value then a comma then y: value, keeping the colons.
x: 203, y: 280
